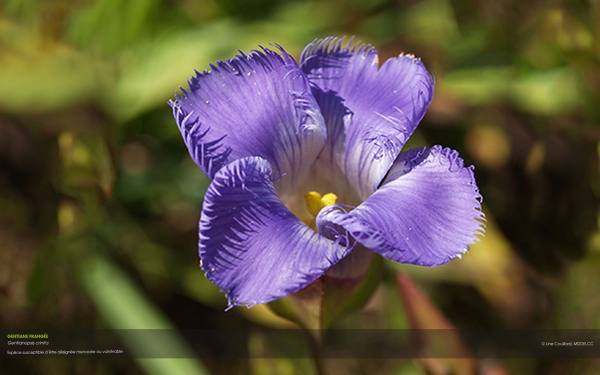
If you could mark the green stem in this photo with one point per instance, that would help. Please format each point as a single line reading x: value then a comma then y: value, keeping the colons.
x: 314, y: 337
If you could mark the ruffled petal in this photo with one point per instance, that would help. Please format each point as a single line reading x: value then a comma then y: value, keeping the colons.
x: 426, y: 212
x: 258, y: 104
x: 251, y: 245
x: 370, y: 111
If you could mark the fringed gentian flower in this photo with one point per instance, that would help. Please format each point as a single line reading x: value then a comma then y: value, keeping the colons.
x: 273, y: 135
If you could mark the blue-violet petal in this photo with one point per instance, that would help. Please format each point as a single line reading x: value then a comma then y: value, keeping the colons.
x: 258, y: 104
x: 251, y: 245
x: 370, y: 110
x: 426, y: 212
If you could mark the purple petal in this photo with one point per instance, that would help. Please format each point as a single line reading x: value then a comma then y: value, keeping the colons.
x: 258, y: 104
x: 251, y: 245
x: 426, y: 212
x: 370, y: 111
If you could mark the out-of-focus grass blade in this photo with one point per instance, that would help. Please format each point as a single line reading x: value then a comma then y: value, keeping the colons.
x: 123, y: 306
x: 579, y: 310
x: 150, y: 72
x: 36, y: 285
x: 424, y: 315
x: 37, y: 75
x: 431, y: 22
x: 478, y: 86
x: 19, y: 8
x: 549, y: 92
x: 109, y: 25
x: 546, y: 92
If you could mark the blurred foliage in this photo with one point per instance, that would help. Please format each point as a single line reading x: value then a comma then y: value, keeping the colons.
x: 99, y: 201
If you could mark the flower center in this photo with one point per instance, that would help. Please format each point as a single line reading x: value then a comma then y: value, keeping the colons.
x: 315, y: 203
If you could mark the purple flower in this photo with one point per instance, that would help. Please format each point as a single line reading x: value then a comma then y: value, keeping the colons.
x: 273, y: 135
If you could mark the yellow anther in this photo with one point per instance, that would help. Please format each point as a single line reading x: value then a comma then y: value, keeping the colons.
x: 315, y: 202
x: 329, y: 199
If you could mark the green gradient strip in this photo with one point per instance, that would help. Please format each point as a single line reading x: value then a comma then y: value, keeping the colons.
x: 123, y: 306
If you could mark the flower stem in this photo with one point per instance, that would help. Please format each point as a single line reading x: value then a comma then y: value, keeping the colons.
x: 314, y: 338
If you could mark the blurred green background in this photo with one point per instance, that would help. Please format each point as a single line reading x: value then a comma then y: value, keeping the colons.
x: 99, y: 200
